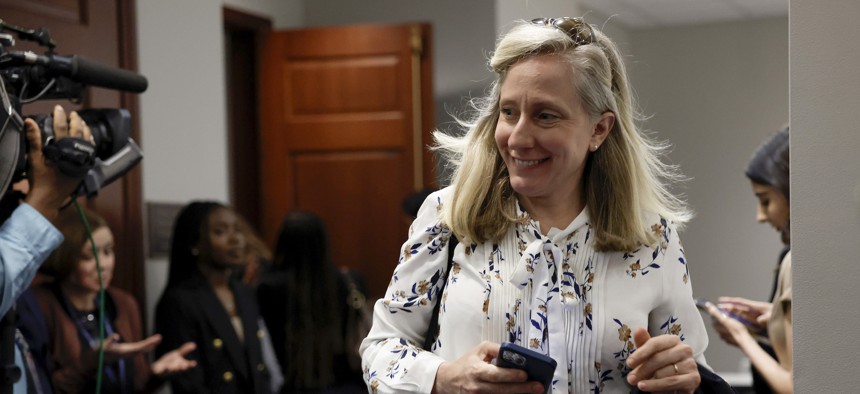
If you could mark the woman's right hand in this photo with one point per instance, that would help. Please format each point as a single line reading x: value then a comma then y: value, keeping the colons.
x: 754, y: 311
x: 114, y: 349
x: 473, y: 372
x: 730, y: 330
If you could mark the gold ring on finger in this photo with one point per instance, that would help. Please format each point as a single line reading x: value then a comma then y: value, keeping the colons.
x: 677, y: 372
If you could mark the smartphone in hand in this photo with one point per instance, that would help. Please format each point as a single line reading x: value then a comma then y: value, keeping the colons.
x: 539, y: 367
x: 753, y: 328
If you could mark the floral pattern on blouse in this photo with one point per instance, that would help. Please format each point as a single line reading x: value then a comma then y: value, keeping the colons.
x: 552, y: 292
x: 597, y: 386
x: 625, y: 336
x: 671, y: 326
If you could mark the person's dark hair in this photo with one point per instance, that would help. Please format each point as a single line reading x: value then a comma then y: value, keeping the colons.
x: 314, y: 336
x: 413, y: 202
x: 770, y: 165
x: 190, y: 226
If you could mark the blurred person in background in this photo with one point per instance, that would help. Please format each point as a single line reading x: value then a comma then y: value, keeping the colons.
x: 70, y: 304
x: 768, y: 172
x: 314, y: 311
x: 204, y: 304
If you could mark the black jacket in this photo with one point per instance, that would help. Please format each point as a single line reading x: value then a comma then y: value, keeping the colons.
x: 190, y: 311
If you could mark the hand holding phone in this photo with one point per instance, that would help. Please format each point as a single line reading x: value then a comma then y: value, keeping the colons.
x: 753, y: 328
x: 539, y: 367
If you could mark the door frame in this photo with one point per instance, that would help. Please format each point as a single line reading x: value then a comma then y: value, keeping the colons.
x: 132, y: 215
x: 246, y: 33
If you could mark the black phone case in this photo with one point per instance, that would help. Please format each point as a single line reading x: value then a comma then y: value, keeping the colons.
x: 539, y: 367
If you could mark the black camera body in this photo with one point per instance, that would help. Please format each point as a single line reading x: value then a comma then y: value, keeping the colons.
x: 26, y: 77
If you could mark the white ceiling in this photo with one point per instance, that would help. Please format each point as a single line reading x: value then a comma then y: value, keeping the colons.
x: 644, y: 14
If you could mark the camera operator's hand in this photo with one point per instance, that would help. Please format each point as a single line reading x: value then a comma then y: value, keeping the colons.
x: 49, y: 188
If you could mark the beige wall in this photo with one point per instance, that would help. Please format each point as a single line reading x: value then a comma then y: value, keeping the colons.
x: 509, y: 11
x: 825, y: 204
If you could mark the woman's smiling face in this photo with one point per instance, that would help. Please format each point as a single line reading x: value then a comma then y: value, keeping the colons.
x: 544, y: 133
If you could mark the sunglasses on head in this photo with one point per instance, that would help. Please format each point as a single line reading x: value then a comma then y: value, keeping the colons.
x: 575, y: 28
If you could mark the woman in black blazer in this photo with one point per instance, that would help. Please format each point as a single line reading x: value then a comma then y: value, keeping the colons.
x: 201, y: 303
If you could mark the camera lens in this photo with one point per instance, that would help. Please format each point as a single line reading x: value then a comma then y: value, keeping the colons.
x: 110, y: 128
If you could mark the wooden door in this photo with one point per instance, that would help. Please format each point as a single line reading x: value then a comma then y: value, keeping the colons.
x: 104, y: 31
x: 346, y: 114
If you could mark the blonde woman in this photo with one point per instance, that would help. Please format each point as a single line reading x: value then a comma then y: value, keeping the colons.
x: 568, y: 238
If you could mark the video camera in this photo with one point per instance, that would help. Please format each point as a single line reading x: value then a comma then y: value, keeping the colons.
x: 26, y: 77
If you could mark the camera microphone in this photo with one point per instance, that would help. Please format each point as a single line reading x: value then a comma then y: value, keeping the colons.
x: 26, y: 76
x: 87, y: 71
x: 95, y: 73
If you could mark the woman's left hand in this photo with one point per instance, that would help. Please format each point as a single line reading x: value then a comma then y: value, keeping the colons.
x: 662, y: 364
x: 175, y: 361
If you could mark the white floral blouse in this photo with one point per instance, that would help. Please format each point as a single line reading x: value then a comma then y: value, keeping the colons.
x: 552, y: 293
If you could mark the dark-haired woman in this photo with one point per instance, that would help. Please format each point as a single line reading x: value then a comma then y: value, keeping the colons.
x: 203, y: 304
x: 768, y: 172
x: 304, y: 303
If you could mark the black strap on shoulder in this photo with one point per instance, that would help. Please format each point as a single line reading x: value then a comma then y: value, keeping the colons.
x: 433, y: 329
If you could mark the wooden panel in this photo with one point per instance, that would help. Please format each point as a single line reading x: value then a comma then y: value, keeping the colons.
x: 358, y: 195
x: 347, y: 135
x: 342, y: 85
x: 343, y: 122
x: 69, y: 10
x: 340, y: 41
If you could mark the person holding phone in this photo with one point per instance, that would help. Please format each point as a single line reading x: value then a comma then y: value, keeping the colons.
x: 568, y: 238
x: 768, y: 172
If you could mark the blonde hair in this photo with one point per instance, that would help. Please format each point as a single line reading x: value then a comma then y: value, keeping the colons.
x: 624, y: 180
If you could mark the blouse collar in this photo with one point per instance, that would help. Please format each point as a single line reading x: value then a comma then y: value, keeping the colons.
x: 526, y: 222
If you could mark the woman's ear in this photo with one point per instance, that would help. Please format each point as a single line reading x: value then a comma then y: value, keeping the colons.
x: 601, y: 129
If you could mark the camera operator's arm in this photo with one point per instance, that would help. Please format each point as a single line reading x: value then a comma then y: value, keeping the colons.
x: 28, y: 237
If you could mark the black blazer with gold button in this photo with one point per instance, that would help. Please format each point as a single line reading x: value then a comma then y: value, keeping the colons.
x: 190, y: 312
